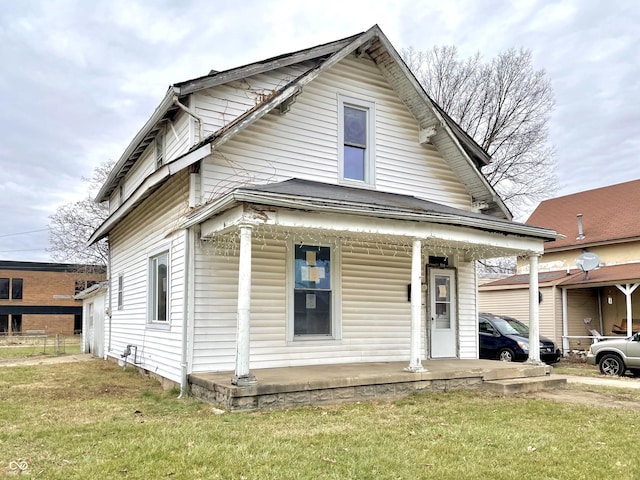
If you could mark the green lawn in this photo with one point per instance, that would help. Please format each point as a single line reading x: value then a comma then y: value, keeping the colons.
x: 94, y: 420
x: 24, y: 351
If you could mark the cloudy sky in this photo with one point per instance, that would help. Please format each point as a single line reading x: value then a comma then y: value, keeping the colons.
x: 79, y: 78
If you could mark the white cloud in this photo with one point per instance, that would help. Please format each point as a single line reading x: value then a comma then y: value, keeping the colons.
x: 83, y: 76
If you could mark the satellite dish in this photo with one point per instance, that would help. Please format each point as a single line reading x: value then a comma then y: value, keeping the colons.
x: 587, y: 262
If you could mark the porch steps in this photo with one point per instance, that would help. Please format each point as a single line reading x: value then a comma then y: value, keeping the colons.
x: 510, y: 386
x: 516, y: 371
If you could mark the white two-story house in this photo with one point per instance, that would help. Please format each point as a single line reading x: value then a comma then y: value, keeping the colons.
x: 312, y: 208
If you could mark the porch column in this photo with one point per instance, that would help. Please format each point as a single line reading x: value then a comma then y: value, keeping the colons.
x: 242, y: 375
x: 628, y: 290
x: 415, y: 362
x: 566, y: 346
x: 534, y: 312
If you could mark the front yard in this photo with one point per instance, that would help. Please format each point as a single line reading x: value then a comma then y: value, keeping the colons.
x: 94, y: 420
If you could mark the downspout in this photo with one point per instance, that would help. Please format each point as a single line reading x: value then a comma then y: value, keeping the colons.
x: 184, y: 385
x: 109, y: 293
x: 184, y: 108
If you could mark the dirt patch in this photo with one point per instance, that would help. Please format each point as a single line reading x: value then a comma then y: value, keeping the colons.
x: 585, y: 397
x: 45, y: 360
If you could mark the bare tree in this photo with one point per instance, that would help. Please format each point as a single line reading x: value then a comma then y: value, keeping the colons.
x: 73, y: 224
x: 505, y: 105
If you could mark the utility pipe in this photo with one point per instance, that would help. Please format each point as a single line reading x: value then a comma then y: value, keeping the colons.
x: 184, y: 386
x: 183, y: 107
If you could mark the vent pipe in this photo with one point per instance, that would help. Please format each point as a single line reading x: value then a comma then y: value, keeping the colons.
x: 580, y: 228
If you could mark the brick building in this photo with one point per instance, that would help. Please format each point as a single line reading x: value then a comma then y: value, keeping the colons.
x: 38, y: 298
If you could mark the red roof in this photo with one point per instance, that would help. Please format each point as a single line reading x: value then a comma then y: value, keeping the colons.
x: 625, y: 273
x: 609, y: 275
x: 609, y: 214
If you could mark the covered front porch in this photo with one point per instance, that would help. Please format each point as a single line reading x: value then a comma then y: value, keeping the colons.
x: 325, y: 280
x: 352, y: 382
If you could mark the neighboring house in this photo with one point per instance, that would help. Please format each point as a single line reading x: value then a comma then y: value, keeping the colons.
x: 312, y: 208
x: 38, y: 298
x: 93, y: 314
x: 603, y: 222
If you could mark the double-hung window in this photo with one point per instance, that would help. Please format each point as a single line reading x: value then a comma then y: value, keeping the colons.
x: 120, y: 291
x: 312, y: 291
x: 356, y: 138
x: 159, y: 287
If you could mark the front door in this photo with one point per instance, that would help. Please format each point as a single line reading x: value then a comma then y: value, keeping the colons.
x: 442, y: 307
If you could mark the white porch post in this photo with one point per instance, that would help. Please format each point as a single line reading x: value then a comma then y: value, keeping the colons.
x: 534, y: 311
x: 566, y: 346
x: 415, y: 362
x: 242, y: 375
x: 628, y: 290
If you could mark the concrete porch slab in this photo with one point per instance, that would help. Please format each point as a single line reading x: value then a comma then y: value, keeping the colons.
x: 351, y: 382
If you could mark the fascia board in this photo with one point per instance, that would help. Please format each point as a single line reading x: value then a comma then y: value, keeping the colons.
x: 159, y: 112
x: 150, y: 183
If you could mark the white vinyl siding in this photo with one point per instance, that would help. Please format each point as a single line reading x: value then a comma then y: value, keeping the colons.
x: 176, y: 142
x: 303, y: 143
x: 220, y: 105
x: 467, y: 311
x: 515, y: 303
x: 150, y: 227
x: 376, y: 315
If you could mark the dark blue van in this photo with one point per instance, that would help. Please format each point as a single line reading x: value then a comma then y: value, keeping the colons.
x: 507, y: 339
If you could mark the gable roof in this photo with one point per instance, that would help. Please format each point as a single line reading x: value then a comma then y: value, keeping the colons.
x: 609, y: 215
x: 465, y: 164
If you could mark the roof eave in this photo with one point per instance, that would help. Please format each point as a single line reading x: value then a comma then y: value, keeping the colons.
x: 159, y: 113
x: 354, y: 208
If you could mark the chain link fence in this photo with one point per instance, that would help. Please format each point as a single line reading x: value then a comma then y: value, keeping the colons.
x: 27, y: 345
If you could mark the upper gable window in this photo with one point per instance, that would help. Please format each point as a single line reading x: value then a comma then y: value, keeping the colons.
x: 356, y: 138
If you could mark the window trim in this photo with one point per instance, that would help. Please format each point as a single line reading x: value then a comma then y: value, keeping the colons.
x: 120, y: 292
x: 370, y: 150
x: 153, y: 322
x: 336, y: 303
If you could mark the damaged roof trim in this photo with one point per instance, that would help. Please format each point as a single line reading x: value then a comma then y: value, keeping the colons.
x: 146, y: 188
x: 326, y: 205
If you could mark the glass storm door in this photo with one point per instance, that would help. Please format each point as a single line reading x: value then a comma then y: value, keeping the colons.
x: 442, y: 309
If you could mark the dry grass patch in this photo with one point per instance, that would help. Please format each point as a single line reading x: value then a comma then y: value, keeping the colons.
x: 94, y: 420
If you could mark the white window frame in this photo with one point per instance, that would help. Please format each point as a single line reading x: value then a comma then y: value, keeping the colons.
x: 336, y: 302
x: 151, y: 320
x: 120, y: 291
x: 370, y: 151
